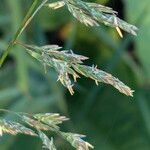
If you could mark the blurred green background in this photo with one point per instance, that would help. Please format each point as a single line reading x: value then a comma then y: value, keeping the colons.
x: 110, y: 120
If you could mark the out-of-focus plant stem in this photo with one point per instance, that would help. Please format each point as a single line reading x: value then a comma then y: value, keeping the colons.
x: 19, y: 31
x: 15, y: 8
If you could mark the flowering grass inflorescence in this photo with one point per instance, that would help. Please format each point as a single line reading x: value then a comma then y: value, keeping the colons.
x: 67, y: 63
x: 37, y: 123
x: 68, y: 66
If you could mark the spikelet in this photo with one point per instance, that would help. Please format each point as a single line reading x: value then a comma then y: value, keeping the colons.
x: 56, y: 5
x: 47, y: 143
x: 102, y: 76
x: 76, y: 141
x: 14, y: 128
x: 35, y: 124
x: 51, y: 119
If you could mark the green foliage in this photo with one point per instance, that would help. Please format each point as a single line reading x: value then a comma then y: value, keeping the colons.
x: 142, y: 40
x: 110, y: 119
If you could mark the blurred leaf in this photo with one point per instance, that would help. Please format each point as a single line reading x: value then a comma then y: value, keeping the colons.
x: 142, y: 40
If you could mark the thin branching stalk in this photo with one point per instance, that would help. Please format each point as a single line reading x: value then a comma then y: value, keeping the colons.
x: 34, y: 13
x: 29, y: 16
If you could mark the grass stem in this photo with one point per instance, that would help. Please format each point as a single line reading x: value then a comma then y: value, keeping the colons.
x: 19, y: 31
